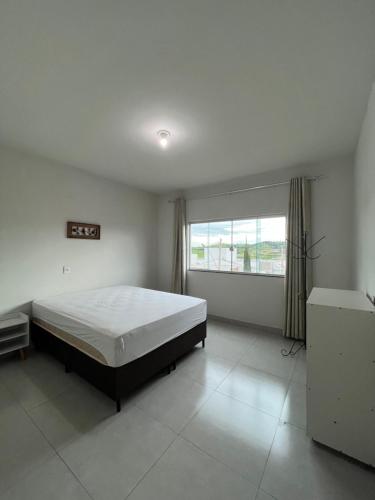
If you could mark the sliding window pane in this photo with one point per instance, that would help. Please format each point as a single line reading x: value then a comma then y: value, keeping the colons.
x: 244, y: 246
x: 219, y: 248
x: 271, y: 248
x: 254, y: 245
x: 199, y: 246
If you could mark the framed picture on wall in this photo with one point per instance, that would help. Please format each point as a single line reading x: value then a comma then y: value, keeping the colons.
x: 83, y: 230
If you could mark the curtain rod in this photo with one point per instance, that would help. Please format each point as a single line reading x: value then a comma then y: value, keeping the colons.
x: 244, y: 190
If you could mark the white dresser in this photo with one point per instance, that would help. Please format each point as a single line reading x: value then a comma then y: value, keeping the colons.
x: 341, y: 372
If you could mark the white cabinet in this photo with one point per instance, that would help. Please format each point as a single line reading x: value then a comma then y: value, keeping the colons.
x: 341, y: 372
x: 14, y: 333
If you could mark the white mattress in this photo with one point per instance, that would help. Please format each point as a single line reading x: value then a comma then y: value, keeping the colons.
x: 122, y: 322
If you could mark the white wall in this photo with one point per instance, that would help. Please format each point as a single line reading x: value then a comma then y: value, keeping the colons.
x: 260, y: 299
x: 364, y: 176
x: 37, y: 197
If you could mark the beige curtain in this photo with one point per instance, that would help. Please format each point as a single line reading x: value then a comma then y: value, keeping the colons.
x: 179, y: 247
x: 298, y: 268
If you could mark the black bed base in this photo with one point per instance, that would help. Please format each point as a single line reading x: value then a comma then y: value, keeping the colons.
x: 120, y: 381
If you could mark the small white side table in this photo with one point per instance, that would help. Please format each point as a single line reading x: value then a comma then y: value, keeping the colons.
x: 14, y: 333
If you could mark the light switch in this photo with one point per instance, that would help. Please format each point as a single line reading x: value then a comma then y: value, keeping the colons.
x: 66, y: 270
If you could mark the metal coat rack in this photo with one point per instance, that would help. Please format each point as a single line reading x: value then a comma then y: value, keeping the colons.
x: 305, y: 255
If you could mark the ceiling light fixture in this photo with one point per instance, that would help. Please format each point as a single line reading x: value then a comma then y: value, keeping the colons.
x: 164, y: 136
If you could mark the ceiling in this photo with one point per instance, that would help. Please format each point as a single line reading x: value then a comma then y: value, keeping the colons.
x: 243, y: 86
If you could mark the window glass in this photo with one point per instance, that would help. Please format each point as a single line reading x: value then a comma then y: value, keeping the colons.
x: 220, y: 246
x: 199, y: 246
x: 255, y: 245
x: 244, y: 240
x: 271, y: 245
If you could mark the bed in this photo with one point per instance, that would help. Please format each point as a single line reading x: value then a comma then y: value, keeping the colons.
x: 118, y: 337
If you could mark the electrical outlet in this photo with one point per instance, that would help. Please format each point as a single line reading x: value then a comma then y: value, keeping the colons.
x: 66, y: 270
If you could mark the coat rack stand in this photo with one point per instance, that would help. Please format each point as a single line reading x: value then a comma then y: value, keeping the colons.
x: 305, y: 256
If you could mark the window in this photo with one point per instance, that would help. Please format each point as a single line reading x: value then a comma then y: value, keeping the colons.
x: 255, y: 245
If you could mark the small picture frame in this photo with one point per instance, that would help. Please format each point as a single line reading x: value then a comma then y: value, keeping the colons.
x: 82, y: 231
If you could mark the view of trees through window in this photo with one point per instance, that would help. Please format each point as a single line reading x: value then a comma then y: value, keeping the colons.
x: 255, y: 245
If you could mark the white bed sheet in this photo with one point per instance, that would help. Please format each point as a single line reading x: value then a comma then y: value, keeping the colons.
x: 122, y: 322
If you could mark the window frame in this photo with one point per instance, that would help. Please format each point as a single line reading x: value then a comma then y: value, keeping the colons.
x: 232, y: 220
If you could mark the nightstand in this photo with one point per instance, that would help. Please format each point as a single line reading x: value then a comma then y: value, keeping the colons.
x: 14, y: 333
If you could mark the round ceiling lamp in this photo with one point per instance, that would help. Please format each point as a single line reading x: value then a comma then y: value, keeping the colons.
x: 164, y: 136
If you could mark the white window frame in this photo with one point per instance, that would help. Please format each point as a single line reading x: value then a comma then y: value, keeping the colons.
x: 231, y: 220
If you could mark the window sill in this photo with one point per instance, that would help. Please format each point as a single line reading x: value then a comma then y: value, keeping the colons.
x: 236, y: 273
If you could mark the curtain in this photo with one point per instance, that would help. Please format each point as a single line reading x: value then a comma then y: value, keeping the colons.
x: 298, y: 268
x: 179, y: 247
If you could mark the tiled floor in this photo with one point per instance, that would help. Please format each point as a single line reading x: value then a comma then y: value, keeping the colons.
x: 227, y: 424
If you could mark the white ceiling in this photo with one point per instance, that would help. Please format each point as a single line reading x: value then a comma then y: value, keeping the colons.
x: 243, y: 85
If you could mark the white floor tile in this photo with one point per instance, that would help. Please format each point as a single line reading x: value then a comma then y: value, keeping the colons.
x: 73, y: 413
x: 7, y: 400
x: 22, y: 445
x: 299, y: 469
x: 205, y: 368
x: 232, y: 331
x: 268, y: 358
x: 274, y: 340
x: 234, y: 433
x: 294, y: 411
x: 111, y: 458
x: 186, y: 473
x: 256, y: 388
x: 35, y: 380
x: 222, y: 343
x: 299, y: 373
x: 174, y: 401
x: 262, y: 495
x: 50, y: 481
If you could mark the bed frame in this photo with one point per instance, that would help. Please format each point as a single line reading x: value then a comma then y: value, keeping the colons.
x: 120, y: 381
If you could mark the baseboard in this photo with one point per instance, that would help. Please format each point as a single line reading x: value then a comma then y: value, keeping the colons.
x: 265, y: 328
